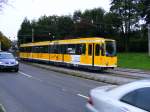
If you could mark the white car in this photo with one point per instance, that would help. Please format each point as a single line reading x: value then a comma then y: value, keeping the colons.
x: 132, y: 97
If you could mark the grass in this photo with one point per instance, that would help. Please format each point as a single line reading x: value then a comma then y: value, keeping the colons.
x: 134, y: 60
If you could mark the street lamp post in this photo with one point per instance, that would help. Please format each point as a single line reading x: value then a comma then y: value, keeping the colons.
x: 32, y: 34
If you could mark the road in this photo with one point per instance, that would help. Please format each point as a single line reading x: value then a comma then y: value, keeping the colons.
x: 34, y: 89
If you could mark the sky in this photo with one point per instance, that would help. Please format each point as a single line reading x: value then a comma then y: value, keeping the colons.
x: 14, y: 13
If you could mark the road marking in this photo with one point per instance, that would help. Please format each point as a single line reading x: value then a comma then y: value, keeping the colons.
x: 83, y: 96
x: 29, y: 76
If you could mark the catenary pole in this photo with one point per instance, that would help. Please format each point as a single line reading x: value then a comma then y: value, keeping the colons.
x: 32, y: 35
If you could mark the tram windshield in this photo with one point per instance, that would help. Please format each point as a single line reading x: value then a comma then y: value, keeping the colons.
x: 110, y: 48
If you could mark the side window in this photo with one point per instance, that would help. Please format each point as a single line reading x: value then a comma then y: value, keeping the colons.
x: 50, y: 48
x: 41, y: 50
x: 78, y: 49
x: 64, y: 49
x: 45, y: 49
x: 139, y: 98
x: 130, y: 98
x: 102, y: 50
x: 83, y: 48
x: 30, y: 49
x: 71, y: 48
x: 37, y: 49
x: 90, y: 49
x: 54, y: 49
x: 97, y: 50
x: 60, y: 49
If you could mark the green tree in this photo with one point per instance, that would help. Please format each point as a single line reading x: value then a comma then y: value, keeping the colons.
x: 65, y: 27
x: 77, y: 16
x: 128, y: 10
x: 45, y: 27
x: 89, y: 23
x: 112, y: 24
x: 145, y: 12
x: 25, y: 32
x: 6, y: 43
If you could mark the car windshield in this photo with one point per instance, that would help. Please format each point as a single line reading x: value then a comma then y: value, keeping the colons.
x: 6, y: 56
x: 110, y: 48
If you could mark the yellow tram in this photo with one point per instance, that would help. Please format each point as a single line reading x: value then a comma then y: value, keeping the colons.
x: 93, y: 52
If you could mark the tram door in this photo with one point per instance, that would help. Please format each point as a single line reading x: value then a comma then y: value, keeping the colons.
x: 97, y: 54
x: 90, y: 54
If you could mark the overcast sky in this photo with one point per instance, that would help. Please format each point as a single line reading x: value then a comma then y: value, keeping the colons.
x: 13, y: 14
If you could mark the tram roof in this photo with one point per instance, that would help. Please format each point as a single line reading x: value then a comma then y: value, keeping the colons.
x: 68, y: 41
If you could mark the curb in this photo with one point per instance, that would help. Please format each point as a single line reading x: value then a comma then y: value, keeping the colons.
x: 83, y: 74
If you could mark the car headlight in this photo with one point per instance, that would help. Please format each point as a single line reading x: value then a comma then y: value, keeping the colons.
x: 17, y: 62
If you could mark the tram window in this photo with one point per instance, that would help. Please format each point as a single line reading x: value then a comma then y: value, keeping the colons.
x: 78, y: 49
x: 50, y: 48
x: 21, y: 49
x: 26, y: 49
x: 64, y: 49
x: 90, y: 50
x: 59, y: 47
x: 71, y: 49
x: 54, y: 49
x: 33, y: 49
x: 102, y: 50
x: 41, y: 50
x: 83, y: 48
x: 36, y: 49
x: 97, y: 50
x: 30, y: 49
x: 45, y: 49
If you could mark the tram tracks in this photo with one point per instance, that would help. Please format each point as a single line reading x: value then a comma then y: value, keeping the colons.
x: 130, y: 73
x: 116, y: 76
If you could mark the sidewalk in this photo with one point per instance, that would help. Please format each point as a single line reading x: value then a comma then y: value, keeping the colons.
x: 102, y: 77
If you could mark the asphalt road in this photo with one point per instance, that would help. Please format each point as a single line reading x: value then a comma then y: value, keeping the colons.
x: 34, y: 89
